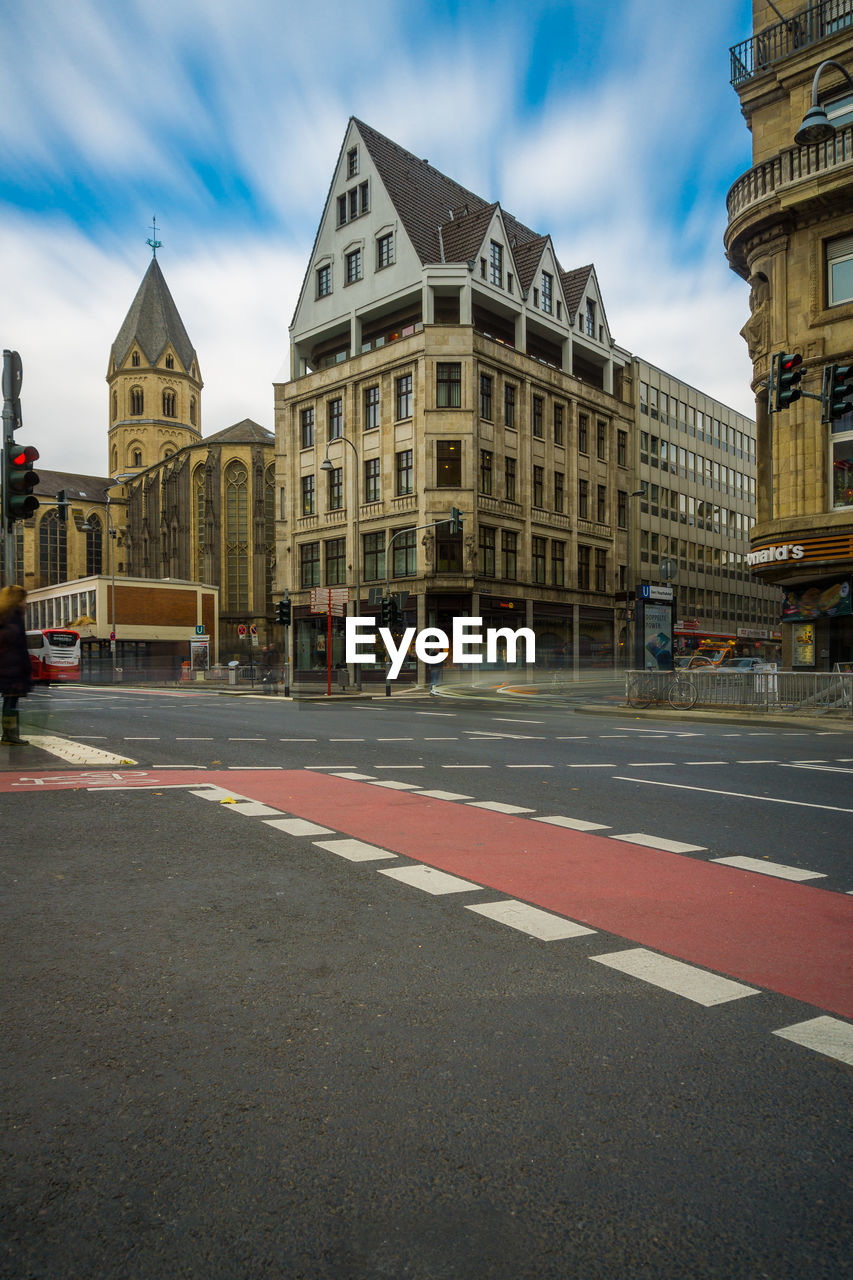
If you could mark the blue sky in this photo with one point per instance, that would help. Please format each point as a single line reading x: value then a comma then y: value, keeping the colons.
x: 611, y: 126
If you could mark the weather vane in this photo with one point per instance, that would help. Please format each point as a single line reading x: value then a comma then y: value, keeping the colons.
x: 154, y: 242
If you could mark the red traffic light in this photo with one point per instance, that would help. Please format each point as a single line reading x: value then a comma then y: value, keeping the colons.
x: 789, y: 363
x: 23, y: 456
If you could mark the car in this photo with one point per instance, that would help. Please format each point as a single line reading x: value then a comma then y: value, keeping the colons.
x: 745, y: 664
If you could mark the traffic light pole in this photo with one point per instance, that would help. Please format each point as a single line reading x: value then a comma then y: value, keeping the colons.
x: 399, y: 534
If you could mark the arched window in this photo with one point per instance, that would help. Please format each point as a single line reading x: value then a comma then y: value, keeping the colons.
x: 134, y: 359
x: 192, y: 410
x: 198, y: 519
x: 168, y: 404
x: 136, y: 458
x: 137, y: 401
x: 170, y: 362
x: 236, y: 537
x: 94, y: 546
x: 115, y: 405
x: 53, y: 550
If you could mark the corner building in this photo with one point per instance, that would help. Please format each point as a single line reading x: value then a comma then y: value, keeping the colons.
x: 790, y: 235
x: 442, y: 357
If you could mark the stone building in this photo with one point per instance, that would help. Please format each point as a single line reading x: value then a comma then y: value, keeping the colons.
x: 790, y: 235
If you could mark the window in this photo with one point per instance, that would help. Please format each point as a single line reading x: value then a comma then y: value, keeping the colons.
x: 509, y: 405
x: 352, y: 162
x: 371, y: 480
x: 601, y: 505
x: 170, y: 362
x: 538, y: 487
x: 353, y: 265
x: 53, y: 551
x: 509, y: 479
x: 134, y: 359
x: 600, y: 569
x: 448, y: 463
x: 487, y: 551
x: 336, y: 489
x: 404, y: 477
x: 590, y: 318
x: 547, y: 292
x: 336, y: 561
x: 404, y: 396
x: 168, y: 404
x: 539, y: 551
x: 583, y: 567
x: 353, y: 203
x: 509, y: 546
x: 308, y: 496
x: 364, y: 197
x: 583, y: 499
x: 136, y: 458
x: 371, y: 408
x: 558, y: 424
x: 601, y: 440
x: 385, y: 251
x: 558, y: 564
x: 448, y: 386
x: 309, y: 564
x: 306, y: 428
x: 537, y: 417
x: 374, y: 556
x: 622, y: 509
x: 496, y: 264
x: 486, y: 396
x: 559, y: 491
x: 324, y: 281
x: 137, y: 401
x: 236, y: 537
x: 622, y: 448
x: 95, y: 545
x: 335, y: 412
x: 839, y: 266
x: 404, y: 555
x: 485, y: 471
x: 342, y: 210
x: 583, y: 433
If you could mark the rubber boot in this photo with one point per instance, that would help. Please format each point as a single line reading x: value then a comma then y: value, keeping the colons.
x: 11, y: 736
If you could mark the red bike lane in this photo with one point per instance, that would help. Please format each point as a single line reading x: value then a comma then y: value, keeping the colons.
x: 790, y: 938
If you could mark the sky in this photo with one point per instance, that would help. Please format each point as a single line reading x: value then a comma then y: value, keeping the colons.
x: 611, y: 126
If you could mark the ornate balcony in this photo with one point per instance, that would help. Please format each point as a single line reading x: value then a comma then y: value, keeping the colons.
x: 783, y: 171
x: 751, y: 57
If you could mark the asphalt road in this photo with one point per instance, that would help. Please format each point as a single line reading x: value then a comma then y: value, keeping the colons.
x: 229, y: 1052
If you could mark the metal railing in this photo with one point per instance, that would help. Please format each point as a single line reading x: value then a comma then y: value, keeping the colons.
x: 797, y: 692
x: 791, y: 165
x: 752, y: 56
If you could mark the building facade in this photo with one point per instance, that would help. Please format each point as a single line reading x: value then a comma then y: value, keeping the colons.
x: 790, y: 235
x: 443, y: 359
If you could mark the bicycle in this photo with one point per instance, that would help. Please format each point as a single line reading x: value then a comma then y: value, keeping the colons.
x: 654, y: 686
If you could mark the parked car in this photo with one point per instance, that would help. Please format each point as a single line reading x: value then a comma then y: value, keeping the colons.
x: 745, y: 664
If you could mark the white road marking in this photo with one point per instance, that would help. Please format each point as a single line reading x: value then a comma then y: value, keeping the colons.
x: 738, y: 795
x: 593, y: 766
x: 254, y: 809
x: 819, y: 768
x: 652, y: 764
x: 576, y: 737
x: 452, y: 738
x: 398, y: 766
x: 825, y: 1035
x: 514, y: 720
x: 218, y: 793
x: 695, y: 762
x: 75, y: 752
x: 193, y: 739
x: 674, y: 975
x: 450, y: 714
x: 657, y: 842
x: 574, y: 824
x: 496, y: 806
x: 346, y: 739
x: 246, y: 739
x: 355, y: 777
x: 393, y: 739
x: 445, y: 795
x: 298, y: 827
x: 529, y: 766
x: 771, y: 869
x: 390, y: 785
x: 531, y: 920
x: 354, y: 850
x: 466, y: 766
x: 430, y: 879
x: 297, y: 739
x: 142, y: 739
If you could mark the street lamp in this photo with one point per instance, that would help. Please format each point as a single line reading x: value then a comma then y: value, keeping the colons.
x: 816, y: 126
x: 629, y: 616
x: 326, y: 465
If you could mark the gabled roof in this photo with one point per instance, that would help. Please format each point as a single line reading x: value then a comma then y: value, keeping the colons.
x: 245, y: 432
x: 574, y: 286
x: 77, y: 488
x: 153, y: 322
x: 462, y: 235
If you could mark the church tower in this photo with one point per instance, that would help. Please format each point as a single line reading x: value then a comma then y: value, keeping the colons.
x: 154, y: 381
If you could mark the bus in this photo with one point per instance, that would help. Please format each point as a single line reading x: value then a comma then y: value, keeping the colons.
x: 54, y: 654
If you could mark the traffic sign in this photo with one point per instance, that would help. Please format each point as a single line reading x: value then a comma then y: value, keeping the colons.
x: 241, y: 630
x: 200, y: 629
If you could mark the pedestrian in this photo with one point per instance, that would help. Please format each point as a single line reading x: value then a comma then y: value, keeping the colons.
x: 15, y: 671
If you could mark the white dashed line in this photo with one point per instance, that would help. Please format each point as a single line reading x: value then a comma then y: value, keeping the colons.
x: 496, y: 806
x: 430, y: 880
x: 574, y: 824
x: 298, y: 827
x: 674, y: 975
x: 825, y: 1035
x: 657, y: 842
x: 354, y: 850
x: 531, y: 920
x: 777, y: 869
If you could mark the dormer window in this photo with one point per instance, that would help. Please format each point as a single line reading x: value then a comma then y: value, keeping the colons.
x: 134, y: 359
x: 170, y: 362
x: 352, y: 162
x: 590, y: 318
x: 547, y: 292
x: 496, y: 264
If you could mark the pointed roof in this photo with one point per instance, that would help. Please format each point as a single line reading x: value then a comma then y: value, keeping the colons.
x: 574, y: 286
x: 153, y: 322
x: 245, y: 432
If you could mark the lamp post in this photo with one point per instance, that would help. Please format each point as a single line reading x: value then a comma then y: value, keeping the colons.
x: 326, y: 465
x: 629, y: 614
x: 816, y: 126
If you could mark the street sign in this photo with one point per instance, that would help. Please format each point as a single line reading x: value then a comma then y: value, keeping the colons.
x: 329, y: 600
x: 648, y: 592
x: 241, y: 630
x: 200, y: 629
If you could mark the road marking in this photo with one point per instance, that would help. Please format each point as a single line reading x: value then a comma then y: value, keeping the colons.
x: 497, y: 806
x: 576, y: 737
x: 254, y: 809
x: 738, y: 795
x: 756, y: 761
x: 392, y: 739
x: 354, y: 850
x: 770, y: 868
x: 298, y: 827
x: 246, y: 739
x: 346, y: 739
x: 145, y: 739
x: 514, y: 720
x: 217, y: 793
x: 430, y: 880
x: 825, y: 1035
x: 450, y: 714
x: 398, y: 766
x: 75, y: 752
x: 674, y: 975
x: 356, y: 777
x: 593, y: 766
x: 819, y: 768
x: 695, y: 762
x: 324, y: 767
x: 531, y: 920
x: 297, y: 739
x: 236, y: 768
x: 445, y: 795
x: 452, y: 738
x: 390, y: 785
x: 529, y: 766
x: 652, y: 764
x: 193, y: 739
x: 574, y: 824
x: 656, y: 842
x: 466, y: 766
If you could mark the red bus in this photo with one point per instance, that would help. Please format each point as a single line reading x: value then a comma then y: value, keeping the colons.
x: 54, y: 654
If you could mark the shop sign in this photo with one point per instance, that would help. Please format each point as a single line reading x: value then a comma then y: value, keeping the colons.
x: 770, y: 555
x: 802, y: 644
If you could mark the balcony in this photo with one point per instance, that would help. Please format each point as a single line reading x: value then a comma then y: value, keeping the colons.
x: 795, y: 164
x: 751, y: 57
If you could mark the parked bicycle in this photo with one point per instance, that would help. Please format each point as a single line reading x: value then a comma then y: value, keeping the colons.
x: 646, y: 687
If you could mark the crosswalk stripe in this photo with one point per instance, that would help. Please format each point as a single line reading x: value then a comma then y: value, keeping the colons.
x: 676, y: 976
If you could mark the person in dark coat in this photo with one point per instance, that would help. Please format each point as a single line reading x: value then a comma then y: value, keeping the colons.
x: 15, y: 671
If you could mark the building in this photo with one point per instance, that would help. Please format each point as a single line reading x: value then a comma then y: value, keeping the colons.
x: 442, y: 358
x: 696, y: 467
x: 790, y: 235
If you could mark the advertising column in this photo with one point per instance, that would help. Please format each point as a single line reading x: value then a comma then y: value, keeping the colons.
x: 655, y: 627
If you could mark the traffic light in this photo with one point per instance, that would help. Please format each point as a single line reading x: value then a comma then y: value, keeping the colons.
x: 62, y: 505
x: 396, y: 611
x: 839, y: 391
x: 787, y: 373
x: 283, y: 611
x: 19, y: 479
x: 386, y: 609
x: 455, y: 520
